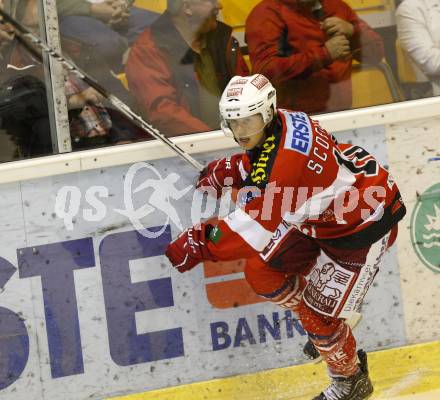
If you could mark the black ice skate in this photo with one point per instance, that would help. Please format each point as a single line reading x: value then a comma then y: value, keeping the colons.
x: 311, y: 352
x: 356, y: 387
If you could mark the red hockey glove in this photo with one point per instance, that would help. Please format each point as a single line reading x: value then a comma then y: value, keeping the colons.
x: 190, y: 248
x: 223, y: 173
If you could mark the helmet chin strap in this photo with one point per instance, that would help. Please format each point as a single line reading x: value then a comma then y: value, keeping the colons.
x: 270, y: 125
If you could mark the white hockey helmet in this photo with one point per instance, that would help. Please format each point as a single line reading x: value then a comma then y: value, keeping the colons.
x: 245, y: 96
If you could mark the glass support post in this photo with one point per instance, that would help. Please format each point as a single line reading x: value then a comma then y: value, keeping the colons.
x: 55, y: 74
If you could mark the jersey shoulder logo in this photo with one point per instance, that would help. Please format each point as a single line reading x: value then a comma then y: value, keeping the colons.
x: 299, y: 132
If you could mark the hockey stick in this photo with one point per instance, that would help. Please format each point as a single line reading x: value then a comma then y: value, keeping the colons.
x: 116, y: 102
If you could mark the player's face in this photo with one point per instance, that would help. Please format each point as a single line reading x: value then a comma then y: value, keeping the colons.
x: 249, y: 131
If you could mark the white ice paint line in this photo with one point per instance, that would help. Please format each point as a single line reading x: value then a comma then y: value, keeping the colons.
x: 406, y: 382
x: 432, y: 395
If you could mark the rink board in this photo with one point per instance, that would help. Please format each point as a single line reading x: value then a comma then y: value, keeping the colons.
x: 89, y: 306
x: 410, y: 146
x: 397, y: 374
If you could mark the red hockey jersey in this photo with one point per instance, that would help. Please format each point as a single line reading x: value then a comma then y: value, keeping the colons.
x: 302, y: 178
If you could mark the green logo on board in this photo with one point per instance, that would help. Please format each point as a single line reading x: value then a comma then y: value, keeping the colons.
x: 425, y: 228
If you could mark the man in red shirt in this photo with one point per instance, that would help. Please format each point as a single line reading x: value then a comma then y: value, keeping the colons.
x: 310, y: 207
x: 306, y: 49
x: 178, y: 67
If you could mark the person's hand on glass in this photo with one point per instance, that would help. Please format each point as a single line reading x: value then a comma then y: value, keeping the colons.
x: 122, y: 14
x: 6, y: 30
x: 88, y: 96
x: 6, y: 33
x: 334, y: 26
x: 97, y: 131
x: 106, y: 11
x: 338, y: 47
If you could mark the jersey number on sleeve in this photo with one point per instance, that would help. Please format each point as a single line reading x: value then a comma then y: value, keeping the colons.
x: 357, y: 160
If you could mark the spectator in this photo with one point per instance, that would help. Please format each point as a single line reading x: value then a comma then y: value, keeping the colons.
x: 6, y: 30
x: 178, y: 67
x: 111, y: 26
x: 419, y: 31
x: 23, y: 103
x: 306, y: 48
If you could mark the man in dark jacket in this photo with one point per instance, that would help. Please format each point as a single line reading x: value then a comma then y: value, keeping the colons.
x: 111, y: 26
x: 178, y: 67
x: 306, y: 49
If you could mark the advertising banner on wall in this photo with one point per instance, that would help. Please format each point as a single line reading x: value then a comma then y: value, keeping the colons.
x: 89, y: 304
x: 413, y: 152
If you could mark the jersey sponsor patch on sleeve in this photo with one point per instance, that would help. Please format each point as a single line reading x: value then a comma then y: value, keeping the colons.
x: 247, y: 194
x: 215, y: 234
x: 299, y: 134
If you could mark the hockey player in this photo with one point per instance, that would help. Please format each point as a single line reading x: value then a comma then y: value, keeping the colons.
x: 310, y: 206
